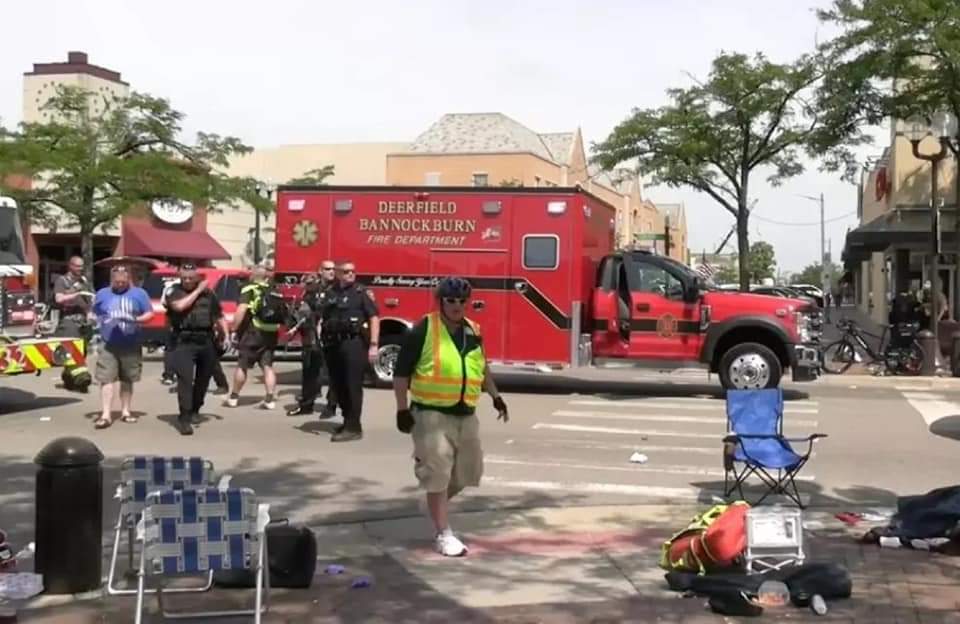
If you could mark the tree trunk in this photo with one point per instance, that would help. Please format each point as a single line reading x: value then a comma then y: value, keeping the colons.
x: 86, y: 250
x: 956, y: 224
x: 743, y: 249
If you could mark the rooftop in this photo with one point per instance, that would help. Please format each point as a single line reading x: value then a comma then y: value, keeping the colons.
x: 77, y: 63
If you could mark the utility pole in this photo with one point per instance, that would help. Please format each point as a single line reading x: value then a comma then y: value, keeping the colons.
x: 825, y: 285
x: 666, y: 236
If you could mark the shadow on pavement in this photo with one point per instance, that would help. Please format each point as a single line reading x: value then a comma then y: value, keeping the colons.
x: 13, y: 400
x: 812, y: 494
x: 947, y: 427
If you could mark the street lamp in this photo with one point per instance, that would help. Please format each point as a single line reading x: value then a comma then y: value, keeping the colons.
x: 265, y: 191
x: 919, y: 129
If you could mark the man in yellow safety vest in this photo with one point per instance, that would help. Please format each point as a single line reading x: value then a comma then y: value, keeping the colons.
x: 443, y: 369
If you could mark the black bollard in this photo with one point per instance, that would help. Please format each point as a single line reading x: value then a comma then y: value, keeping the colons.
x: 69, y: 516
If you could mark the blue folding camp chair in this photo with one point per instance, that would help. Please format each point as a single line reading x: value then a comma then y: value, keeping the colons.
x: 199, y: 531
x: 755, y: 445
x: 140, y: 476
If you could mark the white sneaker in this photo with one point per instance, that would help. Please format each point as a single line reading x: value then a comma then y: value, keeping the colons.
x: 232, y: 401
x: 448, y: 545
x: 268, y: 405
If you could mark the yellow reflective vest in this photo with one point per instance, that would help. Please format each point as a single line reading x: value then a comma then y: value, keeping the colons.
x: 443, y: 376
x: 258, y: 289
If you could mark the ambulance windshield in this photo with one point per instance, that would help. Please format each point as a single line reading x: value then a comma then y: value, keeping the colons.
x: 11, y: 237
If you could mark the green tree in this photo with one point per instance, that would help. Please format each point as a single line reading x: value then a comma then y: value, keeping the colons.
x: 749, y: 114
x: 96, y: 157
x: 892, y: 58
x: 762, y: 263
x: 811, y: 274
x: 726, y: 274
x: 314, y: 177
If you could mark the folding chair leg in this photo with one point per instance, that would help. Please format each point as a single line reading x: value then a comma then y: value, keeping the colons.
x: 113, y: 561
x: 259, y: 600
x: 141, y: 581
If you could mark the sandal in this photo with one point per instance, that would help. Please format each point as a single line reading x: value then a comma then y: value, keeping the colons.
x: 129, y: 418
x: 102, y: 423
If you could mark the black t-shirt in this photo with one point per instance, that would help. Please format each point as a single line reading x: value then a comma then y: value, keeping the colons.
x: 66, y: 284
x: 195, y: 318
x: 411, y: 349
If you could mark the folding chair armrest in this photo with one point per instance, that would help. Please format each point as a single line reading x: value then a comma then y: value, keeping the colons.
x: 809, y: 438
x: 224, y: 483
x: 736, y: 437
x: 263, y: 517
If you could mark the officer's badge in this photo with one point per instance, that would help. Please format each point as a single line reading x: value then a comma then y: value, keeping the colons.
x: 305, y: 233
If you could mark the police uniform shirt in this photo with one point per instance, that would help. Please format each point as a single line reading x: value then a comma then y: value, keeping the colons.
x: 342, y: 304
x: 195, y: 318
x: 66, y: 284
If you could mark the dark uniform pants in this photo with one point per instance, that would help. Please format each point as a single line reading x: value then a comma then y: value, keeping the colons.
x: 312, y: 360
x: 346, y: 363
x: 169, y: 345
x: 193, y: 363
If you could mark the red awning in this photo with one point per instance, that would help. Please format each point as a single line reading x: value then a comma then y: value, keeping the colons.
x: 145, y: 240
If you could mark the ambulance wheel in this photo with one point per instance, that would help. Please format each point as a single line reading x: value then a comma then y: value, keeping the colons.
x: 382, y: 368
x: 750, y: 366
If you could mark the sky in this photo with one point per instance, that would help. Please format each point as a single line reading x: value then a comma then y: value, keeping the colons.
x: 290, y: 71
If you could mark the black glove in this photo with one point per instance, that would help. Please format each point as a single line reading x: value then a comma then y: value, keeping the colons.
x: 501, y: 408
x: 404, y: 421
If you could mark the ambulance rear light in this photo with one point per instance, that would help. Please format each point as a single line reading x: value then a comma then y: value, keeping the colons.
x: 343, y: 205
x: 556, y: 207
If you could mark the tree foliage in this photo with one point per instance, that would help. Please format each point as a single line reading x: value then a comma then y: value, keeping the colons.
x: 726, y: 274
x: 811, y: 274
x: 96, y: 157
x: 749, y: 114
x: 762, y: 263
x: 314, y: 177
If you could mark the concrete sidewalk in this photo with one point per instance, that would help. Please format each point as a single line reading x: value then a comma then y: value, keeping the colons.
x: 591, y: 564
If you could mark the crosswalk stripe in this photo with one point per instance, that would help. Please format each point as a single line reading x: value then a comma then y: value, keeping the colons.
x: 699, y: 399
x: 703, y: 420
x: 643, y: 448
x: 620, y: 431
x: 932, y: 407
x: 680, y: 406
x: 598, y: 488
x: 683, y: 470
x: 644, y: 468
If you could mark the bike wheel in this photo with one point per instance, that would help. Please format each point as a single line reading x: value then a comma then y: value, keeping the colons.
x: 838, y: 357
x: 911, y: 360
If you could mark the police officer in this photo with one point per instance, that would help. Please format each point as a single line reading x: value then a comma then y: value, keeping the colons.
x: 72, y: 297
x: 168, y: 377
x: 346, y: 309
x: 194, y: 312
x: 308, y: 319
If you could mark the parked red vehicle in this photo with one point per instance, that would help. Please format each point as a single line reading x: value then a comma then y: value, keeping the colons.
x: 550, y: 290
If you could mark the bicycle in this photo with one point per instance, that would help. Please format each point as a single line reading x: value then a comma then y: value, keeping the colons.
x: 903, y: 359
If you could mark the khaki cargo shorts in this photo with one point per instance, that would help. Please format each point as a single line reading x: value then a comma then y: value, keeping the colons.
x: 446, y: 451
x: 124, y: 365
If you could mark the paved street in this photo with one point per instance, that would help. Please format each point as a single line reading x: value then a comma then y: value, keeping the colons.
x: 567, y: 447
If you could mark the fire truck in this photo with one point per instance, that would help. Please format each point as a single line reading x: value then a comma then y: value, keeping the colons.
x: 21, y: 351
x: 551, y: 291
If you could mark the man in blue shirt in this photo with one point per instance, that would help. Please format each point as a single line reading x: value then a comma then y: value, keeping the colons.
x: 120, y: 310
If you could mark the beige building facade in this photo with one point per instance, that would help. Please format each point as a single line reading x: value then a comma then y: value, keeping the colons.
x: 890, y: 251
x: 492, y: 149
x: 353, y: 163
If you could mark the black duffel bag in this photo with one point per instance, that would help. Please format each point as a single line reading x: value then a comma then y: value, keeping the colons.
x: 292, y: 555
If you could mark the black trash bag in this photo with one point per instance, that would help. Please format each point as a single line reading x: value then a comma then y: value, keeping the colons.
x: 830, y: 580
x: 292, y: 554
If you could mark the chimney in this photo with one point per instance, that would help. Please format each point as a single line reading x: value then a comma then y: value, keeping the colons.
x: 77, y: 58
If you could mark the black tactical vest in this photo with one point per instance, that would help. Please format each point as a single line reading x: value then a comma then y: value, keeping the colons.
x: 198, y: 318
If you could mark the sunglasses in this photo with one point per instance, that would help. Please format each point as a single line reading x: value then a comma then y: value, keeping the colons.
x: 454, y: 300
x: 348, y: 271
x: 326, y: 268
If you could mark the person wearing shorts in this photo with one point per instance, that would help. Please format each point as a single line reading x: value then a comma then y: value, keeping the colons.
x: 120, y: 310
x: 257, y: 341
x: 442, y: 368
